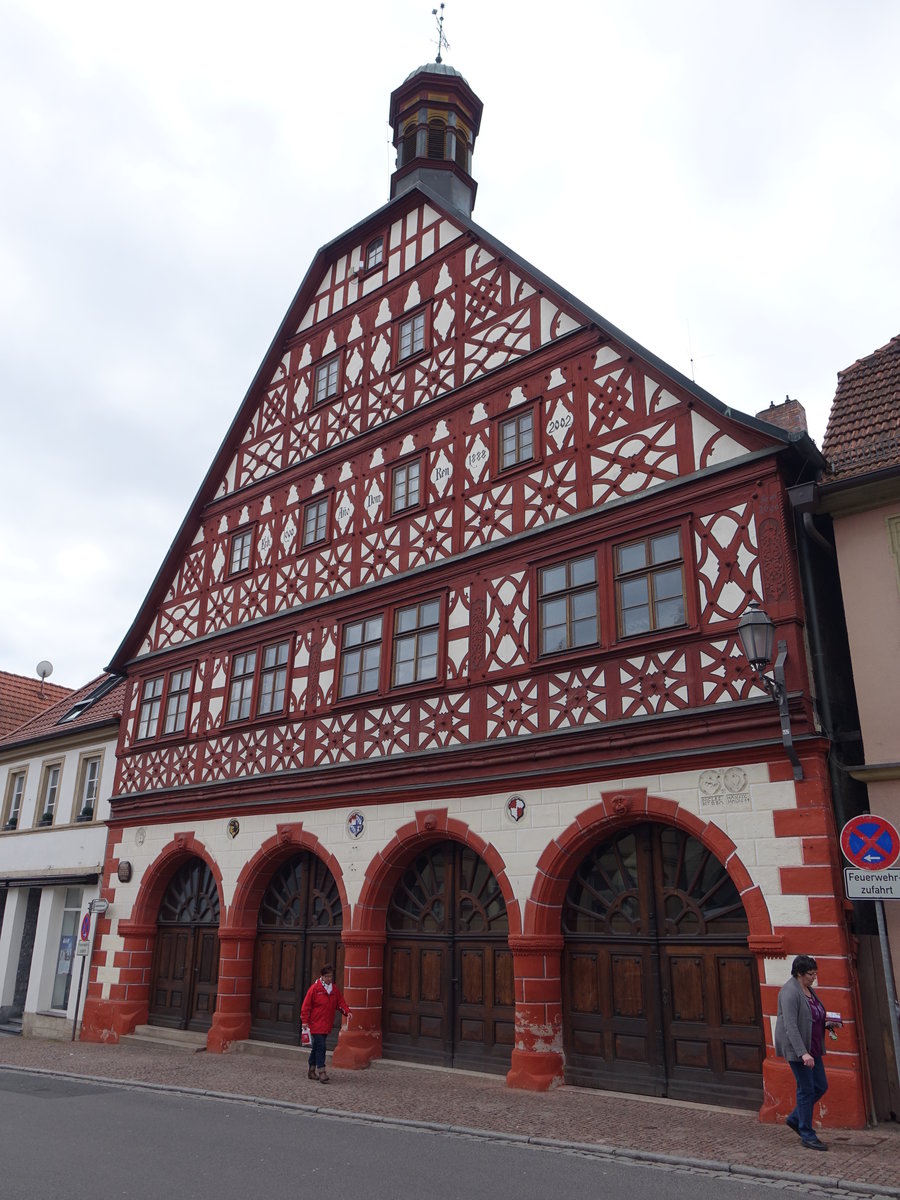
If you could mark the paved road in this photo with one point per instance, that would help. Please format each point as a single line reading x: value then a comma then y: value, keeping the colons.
x: 71, y: 1138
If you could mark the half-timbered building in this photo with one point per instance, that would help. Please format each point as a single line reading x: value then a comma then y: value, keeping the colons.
x: 441, y: 680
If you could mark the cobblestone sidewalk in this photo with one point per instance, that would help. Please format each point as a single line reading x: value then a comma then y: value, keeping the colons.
x: 868, y: 1159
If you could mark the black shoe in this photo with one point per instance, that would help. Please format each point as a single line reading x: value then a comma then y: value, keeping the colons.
x: 795, y: 1125
x: 814, y: 1144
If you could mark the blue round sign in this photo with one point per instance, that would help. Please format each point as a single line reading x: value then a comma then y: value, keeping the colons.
x: 870, y: 842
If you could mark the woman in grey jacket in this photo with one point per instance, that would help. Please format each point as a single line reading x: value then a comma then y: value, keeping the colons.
x: 800, y: 1038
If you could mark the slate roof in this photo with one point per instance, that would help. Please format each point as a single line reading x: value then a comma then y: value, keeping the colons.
x: 97, y: 703
x: 863, y: 434
x: 21, y: 699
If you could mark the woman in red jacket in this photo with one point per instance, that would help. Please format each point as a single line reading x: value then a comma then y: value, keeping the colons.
x: 317, y: 1013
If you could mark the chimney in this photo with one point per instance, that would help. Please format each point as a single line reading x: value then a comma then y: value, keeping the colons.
x: 790, y: 416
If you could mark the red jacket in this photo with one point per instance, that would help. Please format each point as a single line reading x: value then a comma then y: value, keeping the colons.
x: 319, y: 1007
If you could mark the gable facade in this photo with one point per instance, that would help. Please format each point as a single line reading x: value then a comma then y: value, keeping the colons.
x: 451, y: 634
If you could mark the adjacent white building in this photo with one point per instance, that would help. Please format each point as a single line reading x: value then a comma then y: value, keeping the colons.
x: 56, y: 776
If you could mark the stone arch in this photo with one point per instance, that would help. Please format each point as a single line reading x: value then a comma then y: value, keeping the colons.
x: 616, y: 810
x: 429, y: 827
x: 156, y: 879
x: 257, y: 871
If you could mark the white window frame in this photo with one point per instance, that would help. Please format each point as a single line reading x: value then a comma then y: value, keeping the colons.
x: 15, y: 794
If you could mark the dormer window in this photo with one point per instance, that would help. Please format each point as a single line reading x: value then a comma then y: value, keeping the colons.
x: 374, y: 253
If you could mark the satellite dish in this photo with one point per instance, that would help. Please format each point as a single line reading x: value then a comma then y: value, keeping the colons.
x: 44, y: 668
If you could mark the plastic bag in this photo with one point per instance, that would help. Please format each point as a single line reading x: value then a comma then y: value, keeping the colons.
x: 305, y: 1039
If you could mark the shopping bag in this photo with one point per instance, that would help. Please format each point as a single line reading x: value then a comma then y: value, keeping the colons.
x: 305, y: 1039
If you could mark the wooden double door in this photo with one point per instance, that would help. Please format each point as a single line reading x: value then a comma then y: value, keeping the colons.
x: 186, y: 958
x: 660, y: 993
x: 449, y: 996
x: 298, y: 932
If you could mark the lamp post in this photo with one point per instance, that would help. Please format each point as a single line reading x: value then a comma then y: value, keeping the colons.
x: 757, y: 633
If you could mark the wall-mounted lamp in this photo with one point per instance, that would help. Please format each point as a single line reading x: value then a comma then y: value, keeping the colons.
x: 757, y: 633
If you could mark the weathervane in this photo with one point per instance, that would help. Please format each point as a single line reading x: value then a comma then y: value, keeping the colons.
x: 442, y: 43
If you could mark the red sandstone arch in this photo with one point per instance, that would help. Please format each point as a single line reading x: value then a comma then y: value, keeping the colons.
x: 254, y: 878
x: 615, y: 811
x: 156, y: 879
x: 364, y: 942
x: 385, y: 870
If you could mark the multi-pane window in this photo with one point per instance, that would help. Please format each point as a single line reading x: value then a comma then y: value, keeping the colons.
x: 315, y: 522
x: 240, y: 696
x: 361, y: 657
x: 412, y: 335
x: 327, y: 379
x: 241, y: 545
x: 405, y: 486
x: 567, y: 601
x: 272, y: 679
x: 650, y: 584
x: 16, y: 792
x: 374, y: 253
x: 151, y: 700
x: 177, y: 701
x: 49, y: 794
x: 517, y: 439
x: 87, y: 792
x: 416, y: 642
x: 261, y: 674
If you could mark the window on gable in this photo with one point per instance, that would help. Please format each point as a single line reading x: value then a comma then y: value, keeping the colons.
x: 517, y: 439
x: 15, y: 792
x: 258, y: 682
x: 327, y: 379
x: 567, y: 605
x: 405, y: 489
x: 273, y: 679
x: 241, y: 545
x: 151, y: 700
x: 412, y: 336
x: 315, y: 521
x: 361, y: 657
x: 49, y: 794
x: 177, y: 701
x: 650, y: 584
x: 89, y: 782
x: 374, y: 253
x: 416, y: 630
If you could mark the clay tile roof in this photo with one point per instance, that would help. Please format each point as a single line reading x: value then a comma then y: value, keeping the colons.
x: 97, y: 703
x: 21, y: 699
x: 863, y: 433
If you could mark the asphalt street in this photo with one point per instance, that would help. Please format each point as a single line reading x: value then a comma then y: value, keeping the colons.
x: 66, y: 1137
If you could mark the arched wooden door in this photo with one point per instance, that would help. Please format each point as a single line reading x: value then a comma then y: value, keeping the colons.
x: 298, y: 931
x: 448, y: 978
x: 186, y: 959
x: 661, y: 995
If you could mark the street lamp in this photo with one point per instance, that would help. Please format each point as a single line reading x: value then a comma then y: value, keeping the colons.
x: 757, y: 633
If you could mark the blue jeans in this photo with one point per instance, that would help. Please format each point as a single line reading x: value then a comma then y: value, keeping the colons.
x: 317, y: 1050
x: 811, y: 1087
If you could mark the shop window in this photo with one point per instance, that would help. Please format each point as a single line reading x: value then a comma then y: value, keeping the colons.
x: 65, y: 956
x: 567, y: 604
x: 650, y: 584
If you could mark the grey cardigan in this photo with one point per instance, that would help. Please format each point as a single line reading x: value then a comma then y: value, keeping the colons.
x: 793, y: 1026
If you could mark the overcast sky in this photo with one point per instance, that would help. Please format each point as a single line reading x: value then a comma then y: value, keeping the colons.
x: 720, y: 180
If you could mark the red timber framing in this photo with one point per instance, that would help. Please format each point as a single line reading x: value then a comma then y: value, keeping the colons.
x: 546, y: 655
